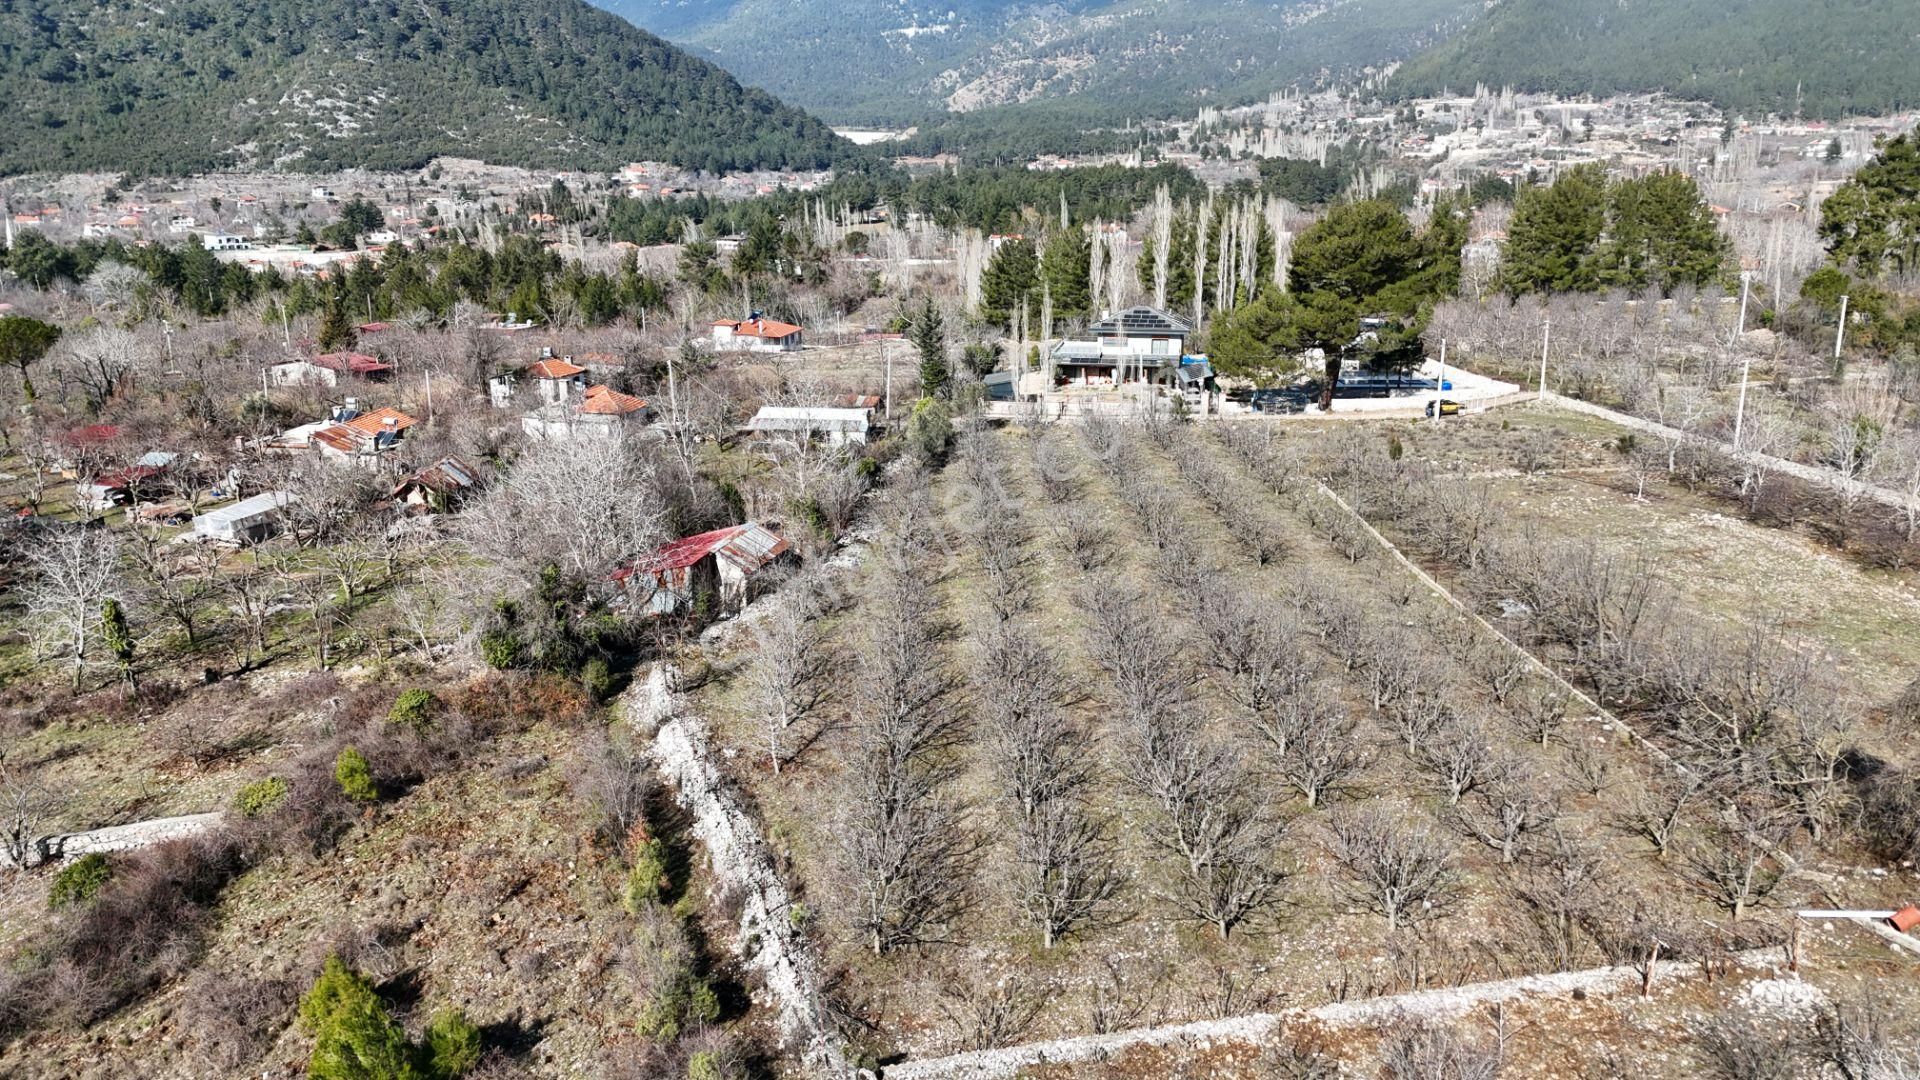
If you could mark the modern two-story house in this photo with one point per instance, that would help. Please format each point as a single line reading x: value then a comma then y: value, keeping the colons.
x: 1138, y: 345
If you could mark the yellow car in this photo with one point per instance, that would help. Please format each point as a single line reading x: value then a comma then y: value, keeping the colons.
x: 1448, y: 407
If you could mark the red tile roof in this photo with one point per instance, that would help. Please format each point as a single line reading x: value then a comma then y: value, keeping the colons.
x: 375, y: 422
x: 351, y: 362
x: 553, y: 369
x: 603, y: 400
x: 766, y: 329
x: 1906, y: 919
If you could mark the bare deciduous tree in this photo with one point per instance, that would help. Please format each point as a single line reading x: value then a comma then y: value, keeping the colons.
x: 903, y: 844
x: 1312, y: 744
x: 789, y: 675
x: 1656, y: 809
x: 584, y: 506
x: 25, y: 808
x: 1556, y: 887
x: 72, y: 572
x: 1736, y: 863
x: 1506, y: 812
x: 1417, y: 1049
x: 1395, y: 862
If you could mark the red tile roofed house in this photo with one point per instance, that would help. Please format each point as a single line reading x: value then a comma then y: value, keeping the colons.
x: 756, y: 334
x: 362, y: 436
x: 604, y: 400
x: 326, y: 369
x: 715, y: 567
x: 601, y: 412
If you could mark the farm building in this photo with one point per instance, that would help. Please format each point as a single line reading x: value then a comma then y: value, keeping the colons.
x: 248, y: 521
x: 439, y: 487
x: 835, y: 427
x: 721, y: 564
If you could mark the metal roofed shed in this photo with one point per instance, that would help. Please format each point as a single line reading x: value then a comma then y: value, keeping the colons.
x: 723, y: 561
x: 248, y: 521
x: 837, y: 427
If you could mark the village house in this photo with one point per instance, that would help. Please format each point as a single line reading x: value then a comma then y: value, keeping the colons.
x: 360, y: 438
x: 438, y: 488
x: 120, y: 486
x: 326, y: 369
x: 599, y: 412
x: 756, y: 334
x: 714, y: 570
x: 803, y: 425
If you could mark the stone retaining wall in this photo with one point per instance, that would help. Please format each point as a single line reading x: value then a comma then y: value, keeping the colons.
x: 139, y: 834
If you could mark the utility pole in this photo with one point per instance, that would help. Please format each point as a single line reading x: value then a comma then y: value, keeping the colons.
x: 429, y: 394
x: 1440, y: 384
x: 886, y: 354
x: 1546, y: 338
x: 1740, y: 410
x: 1840, y: 335
x: 1746, y: 280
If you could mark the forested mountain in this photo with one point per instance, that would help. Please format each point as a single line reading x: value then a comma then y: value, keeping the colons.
x: 313, y: 84
x: 1823, y: 57
x: 875, y: 61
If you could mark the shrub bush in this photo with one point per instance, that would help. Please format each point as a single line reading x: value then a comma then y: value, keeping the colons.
x: 414, y: 710
x: 647, y: 882
x: 260, y: 797
x: 79, y: 881
x: 355, y: 778
x: 353, y: 1037
x: 453, y: 1045
x: 233, y: 1017
x: 500, y: 648
x: 596, y: 678
x: 674, y: 995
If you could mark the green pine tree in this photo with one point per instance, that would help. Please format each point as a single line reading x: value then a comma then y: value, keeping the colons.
x: 1553, y: 234
x: 1066, y: 268
x: 1009, y: 283
x: 353, y: 1037
x: 23, y: 342
x: 119, y: 641
x: 337, y: 331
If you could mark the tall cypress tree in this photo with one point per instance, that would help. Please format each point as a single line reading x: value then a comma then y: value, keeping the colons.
x: 928, y: 332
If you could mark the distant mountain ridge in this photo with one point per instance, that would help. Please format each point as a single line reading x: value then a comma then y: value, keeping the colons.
x: 888, y: 61
x: 194, y: 85
x: 1820, y: 57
